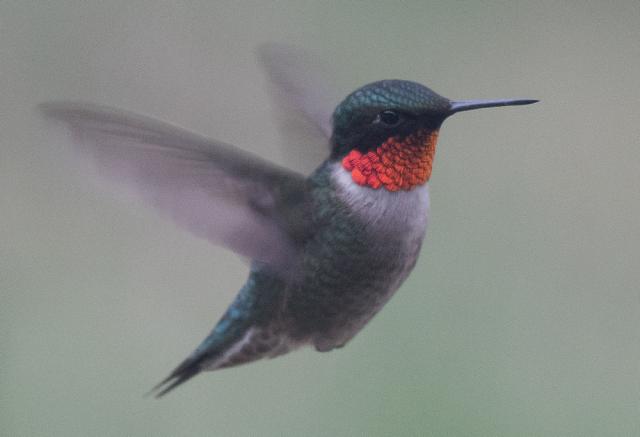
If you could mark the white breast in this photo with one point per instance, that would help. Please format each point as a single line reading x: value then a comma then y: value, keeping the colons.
x: 397, y: 222
x: 404, y: 212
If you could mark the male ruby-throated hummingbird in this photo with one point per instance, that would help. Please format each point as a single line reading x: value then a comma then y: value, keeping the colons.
x: 327, y: 250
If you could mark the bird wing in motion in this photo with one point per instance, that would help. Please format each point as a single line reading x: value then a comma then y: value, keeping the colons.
x: 304, y: 95
x: 215, y: 190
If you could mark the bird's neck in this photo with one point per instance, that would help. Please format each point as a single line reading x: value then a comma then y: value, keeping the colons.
x: 400, y: 163
x: 401, y: 213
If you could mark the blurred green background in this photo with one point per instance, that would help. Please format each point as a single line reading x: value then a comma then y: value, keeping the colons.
x: 522, y: 316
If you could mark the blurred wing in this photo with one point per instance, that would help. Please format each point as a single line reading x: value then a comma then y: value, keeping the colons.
x: 304, y: 101
x: 217, y: 191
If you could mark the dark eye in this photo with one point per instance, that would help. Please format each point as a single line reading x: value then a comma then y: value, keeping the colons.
x: 389, y: 118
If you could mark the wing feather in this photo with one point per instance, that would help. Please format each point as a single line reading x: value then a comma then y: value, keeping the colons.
x: 215, y: 190
x: 303, y: 92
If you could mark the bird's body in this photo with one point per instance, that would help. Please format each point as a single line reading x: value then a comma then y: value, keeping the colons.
x: 364, y: 245
x: 328, y: 250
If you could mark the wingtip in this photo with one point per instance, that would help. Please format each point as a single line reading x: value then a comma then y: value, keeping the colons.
x: 271, y: 48
x: 48, y: 109
x: 62, y: 109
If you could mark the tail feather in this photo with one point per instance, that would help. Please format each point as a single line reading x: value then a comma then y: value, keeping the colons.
x: 181, y: 374
x: 252, y: 345
x: 236, y: 338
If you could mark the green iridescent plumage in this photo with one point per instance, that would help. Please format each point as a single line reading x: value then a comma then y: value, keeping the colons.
x: 327, y: 253
x: 403, y: 95
x: 352, y: 119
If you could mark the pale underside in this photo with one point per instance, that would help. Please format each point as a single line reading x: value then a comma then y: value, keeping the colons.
x: 255, y: 208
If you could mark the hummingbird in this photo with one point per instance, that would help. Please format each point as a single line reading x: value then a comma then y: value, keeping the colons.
x: 327, y: 250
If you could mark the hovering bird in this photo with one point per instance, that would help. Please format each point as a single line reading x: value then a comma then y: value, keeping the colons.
x: 327, y: 250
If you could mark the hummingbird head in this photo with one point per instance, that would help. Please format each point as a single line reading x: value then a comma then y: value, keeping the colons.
x: 385, y: 133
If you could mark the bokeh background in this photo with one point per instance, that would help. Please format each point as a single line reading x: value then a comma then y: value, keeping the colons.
x: 522, y: 316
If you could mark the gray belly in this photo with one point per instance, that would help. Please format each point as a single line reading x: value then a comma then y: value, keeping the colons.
x: 364, y: 246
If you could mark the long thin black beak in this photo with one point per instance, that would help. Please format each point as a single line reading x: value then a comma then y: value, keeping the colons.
x: 468, y: 105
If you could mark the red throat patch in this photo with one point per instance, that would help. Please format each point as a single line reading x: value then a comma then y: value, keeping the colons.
x: 398, y: 164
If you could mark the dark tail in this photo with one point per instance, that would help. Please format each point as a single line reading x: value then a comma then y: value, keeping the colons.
x: 204, y: 357
x: 181, y: 374
x: 235, y: 339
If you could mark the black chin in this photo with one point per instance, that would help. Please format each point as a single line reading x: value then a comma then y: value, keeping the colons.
x: 372, y: 136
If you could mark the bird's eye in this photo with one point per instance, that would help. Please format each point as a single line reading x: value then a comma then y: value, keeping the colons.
x: 389, y: 118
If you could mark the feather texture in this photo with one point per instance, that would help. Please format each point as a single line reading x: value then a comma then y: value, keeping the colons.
x: 215, y: 190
